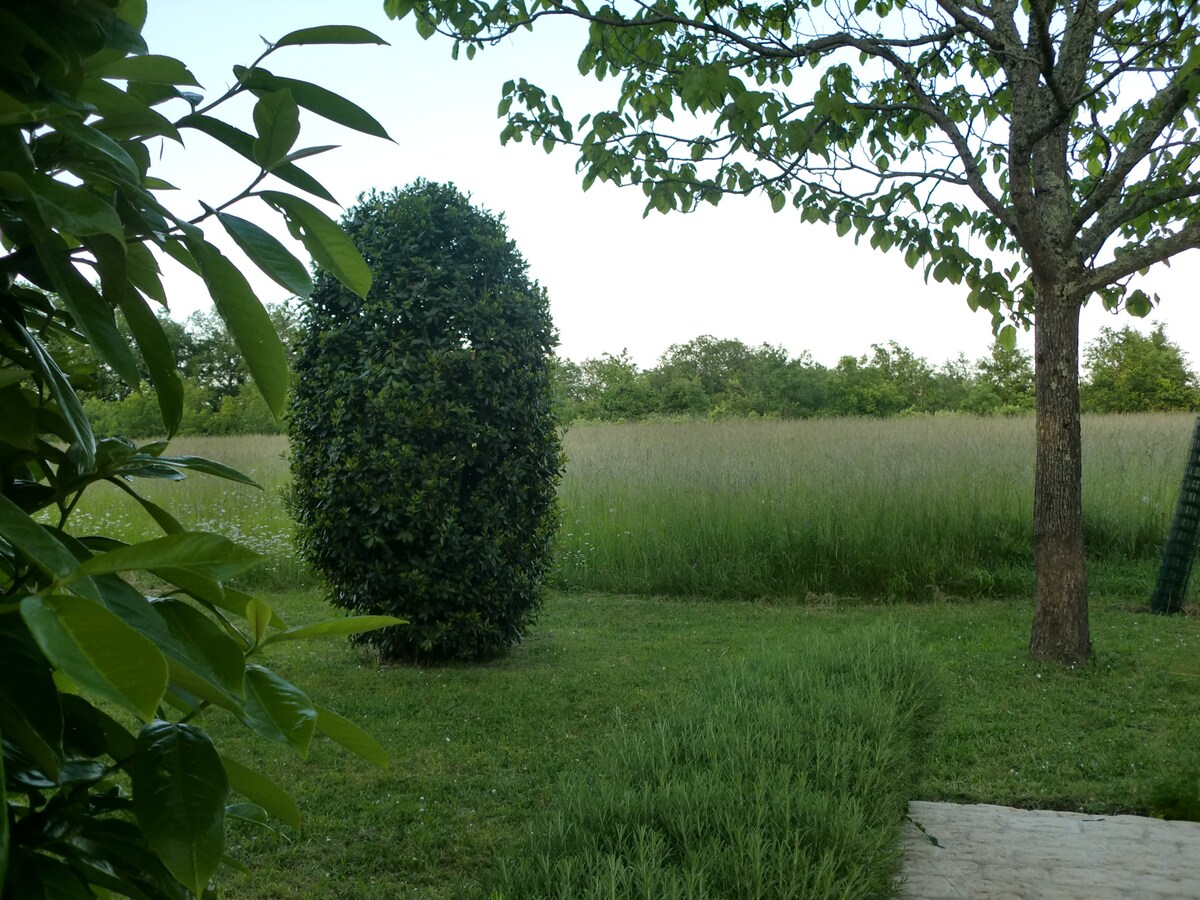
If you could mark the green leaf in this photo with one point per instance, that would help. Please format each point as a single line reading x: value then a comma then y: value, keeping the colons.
x: 243, y: 144
x: 1007, y: 337
x: 1138, y: 304
x: 258, y: 616
x: 34, y: 541
x: 328, y: 244
x: 98, y: 651
x: 30, y: 713
x: 147, y: 330
x: 4, y: 838
x: 211, y: 653
x: 330, y: 34
x: 248, y: 323
x: 350, y: 736
x: 89, y: 310
x: 213, y: 555
x: 64, y: 395
x: 167, y: 522
x: 151, y: 69
x: 209, y: 467
x: 262, y: 790
x: 179, y: 793
x: 73, y: 208
x: 277, y: 121
x: 334, y: 628
x: 313, y: 97
x: 268, y: 254
x: 278, y: 710
x: 98, y: 141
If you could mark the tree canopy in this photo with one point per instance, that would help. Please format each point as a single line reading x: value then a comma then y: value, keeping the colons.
x: 1038, y: 152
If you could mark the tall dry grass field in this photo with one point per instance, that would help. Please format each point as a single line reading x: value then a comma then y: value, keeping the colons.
x: 903, y: 507
x: 890, y: 508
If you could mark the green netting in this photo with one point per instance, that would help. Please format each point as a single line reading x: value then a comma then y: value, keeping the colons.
x: 1180, y: 549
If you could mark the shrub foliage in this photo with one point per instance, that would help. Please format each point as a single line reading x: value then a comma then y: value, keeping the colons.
x: 424, y: 448
x: 109, y: 783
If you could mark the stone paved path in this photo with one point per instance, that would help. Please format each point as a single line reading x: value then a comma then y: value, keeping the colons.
x: 998, y: 853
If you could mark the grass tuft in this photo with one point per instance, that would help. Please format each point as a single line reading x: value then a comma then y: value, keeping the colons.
x: 786, y: 776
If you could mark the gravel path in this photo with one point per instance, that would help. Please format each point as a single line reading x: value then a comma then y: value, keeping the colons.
x: 998, y: 853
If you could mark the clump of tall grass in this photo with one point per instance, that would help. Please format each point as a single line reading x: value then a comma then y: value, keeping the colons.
x: 902, y: 508
x: 786, y: 776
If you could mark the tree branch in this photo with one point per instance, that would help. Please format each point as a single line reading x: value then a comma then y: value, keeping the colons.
x: 1142, y: 255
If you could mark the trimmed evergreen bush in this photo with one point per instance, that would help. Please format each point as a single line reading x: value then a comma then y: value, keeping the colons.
x: 425, y: 453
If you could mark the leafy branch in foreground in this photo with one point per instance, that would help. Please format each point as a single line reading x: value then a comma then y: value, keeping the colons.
x: 110, y: 783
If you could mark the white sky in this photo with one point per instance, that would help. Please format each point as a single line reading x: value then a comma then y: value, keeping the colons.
x: 615, y: 280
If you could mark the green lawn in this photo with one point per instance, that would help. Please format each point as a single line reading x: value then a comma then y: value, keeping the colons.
x: 479, y: 751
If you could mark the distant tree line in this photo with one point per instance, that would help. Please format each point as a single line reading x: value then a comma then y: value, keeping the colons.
x: 1125, y: 371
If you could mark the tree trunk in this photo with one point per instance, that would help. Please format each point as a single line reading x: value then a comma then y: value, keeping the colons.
x: 1060, y: 623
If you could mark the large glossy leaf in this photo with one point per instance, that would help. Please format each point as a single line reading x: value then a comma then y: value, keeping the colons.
x: 98, y: 651
x: 278, y: 710
x: 73, y: 208
x: 213, y: 555
x: 64, y: 395
x: 322, y: 237
x: 146, y: 329
x: 158, y: 356
x: 243, y: 144
x: 89, y: 310
x: 250, y: 326
x: 313, y: 97
x: 209, y: 467
x: 330, y: 34
x: 30, y: 713
x: 38, y: 544
x: 211, y: 652
x: 262, y: 790
x: 99, y: 141
x: 334, y: 628
x: 4, y: 838
x: 343, y: 731
x: 179, y: 794
x: 151, y: 69
x: 167, y: 522
x: 202, y: 660
x: 266, y: 252
x: 277, y: 121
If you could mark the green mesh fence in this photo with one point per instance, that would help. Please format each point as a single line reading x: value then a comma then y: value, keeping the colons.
x: 1180, y: 549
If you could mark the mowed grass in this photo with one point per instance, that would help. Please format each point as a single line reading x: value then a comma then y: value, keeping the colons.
x: 481, y: 753
x: 895, y: 509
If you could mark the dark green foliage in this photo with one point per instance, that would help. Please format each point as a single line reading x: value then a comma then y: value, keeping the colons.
x: 109, y: 783
x: 1132, y: 372
x: 424, y: 447
x: 787, y: 775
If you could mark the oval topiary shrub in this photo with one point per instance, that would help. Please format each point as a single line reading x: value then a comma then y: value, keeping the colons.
x: 425, y: 453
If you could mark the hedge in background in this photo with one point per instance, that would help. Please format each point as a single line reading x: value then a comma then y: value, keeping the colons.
x: 787, y: 776
x: 424, y: 449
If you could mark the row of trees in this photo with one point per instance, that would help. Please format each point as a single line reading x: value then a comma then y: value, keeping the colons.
x: 1127, y: 371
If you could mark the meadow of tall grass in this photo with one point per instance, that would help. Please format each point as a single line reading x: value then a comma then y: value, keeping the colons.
x: 894, y: 508
x: 891, y: 508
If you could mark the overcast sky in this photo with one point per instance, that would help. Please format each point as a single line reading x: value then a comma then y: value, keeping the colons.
x: 616, y: 280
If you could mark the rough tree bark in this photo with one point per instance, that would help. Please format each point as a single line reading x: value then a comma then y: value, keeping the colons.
x: 1060, y: 623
